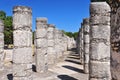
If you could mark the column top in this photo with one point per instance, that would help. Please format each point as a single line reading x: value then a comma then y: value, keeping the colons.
x: 86, y: 21
x: 42, y: 20
x: 22, y: 8
x: 51, y: 25
x: 99, y: 7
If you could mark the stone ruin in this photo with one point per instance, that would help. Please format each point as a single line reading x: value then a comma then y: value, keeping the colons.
x: 49, y: 45
x: 97, y: 43
x: 99, y: 39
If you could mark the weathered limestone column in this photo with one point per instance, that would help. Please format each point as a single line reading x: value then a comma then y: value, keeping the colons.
x: 41, y: 45
x: 86, y: 44
x: 1, y: 44
x: 99, y: 41
x: 57, y: 38
x: 60, y: 54
x: 81, y: 45
x: 78, y: 42
x: 51, y: 44
x: 65, y: 43
x: 22, y: 52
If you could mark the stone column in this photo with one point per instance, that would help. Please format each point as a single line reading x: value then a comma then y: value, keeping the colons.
x: 22, y: 52
x: 81, y: 45
x: 99, y: 41
x: 78, y: 42
x: 41, y: 45
x: 51, y: 44
x: 1, y: 44
x: 57, y: 43
x: 60, y: 54
x: 86, y: 44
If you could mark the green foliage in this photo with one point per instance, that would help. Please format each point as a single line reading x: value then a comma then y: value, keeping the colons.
x: 75, y: 34
x: 8, y: 29
x: 70, y: 34
x: 2, y: 15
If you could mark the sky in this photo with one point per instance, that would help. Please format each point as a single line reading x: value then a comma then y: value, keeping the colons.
x: 65, y: 14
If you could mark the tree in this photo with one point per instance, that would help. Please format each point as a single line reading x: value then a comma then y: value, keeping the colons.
x: 8, y: 30
x: 2, y: 15
x: 75, y: 34
x: 70, y: 34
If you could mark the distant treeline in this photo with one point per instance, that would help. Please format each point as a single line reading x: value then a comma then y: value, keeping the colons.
x: 8, y: 29
x: 71, y: 34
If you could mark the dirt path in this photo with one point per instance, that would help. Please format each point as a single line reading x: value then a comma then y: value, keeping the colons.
x: 68, y: 69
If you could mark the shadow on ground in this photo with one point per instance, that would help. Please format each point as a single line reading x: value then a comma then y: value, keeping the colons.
x: 66, y: 77
x: 10, y: 77
x: 73, y: 68
x: 73, y: 61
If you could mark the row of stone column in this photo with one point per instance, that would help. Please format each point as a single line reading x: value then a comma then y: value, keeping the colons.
x: 93, y: 42
x: 51, y: 44
x: 83, y: 44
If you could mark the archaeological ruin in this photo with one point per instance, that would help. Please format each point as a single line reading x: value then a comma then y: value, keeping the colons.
x: 94, y: 55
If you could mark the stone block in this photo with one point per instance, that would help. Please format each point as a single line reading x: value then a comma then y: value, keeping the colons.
x: 99, y: 19
x: 86, y: 28
x: 50, y: 36
x: 99, y: 69
x: 50, y: 29
x: 1, y: 26
x: 51, y: 50
x: 86, y: 68
x: 100, y: 32
x: 42, y: 60
x: 22, y: 70
x: 86, y: 39
x: 100, y: 51
x: 22, y: 38
x: 41, y: 26
x: 41, y: 33
x: 86, y: 58
x: 52, y: 58
x: 22, y: 55
x: 41, y: 43
x: 8, y: 55
x: 99, y: 8
x: 51, y: 43
x: 1, y: 40
x: 86, y: 48
x: 22, y: 21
